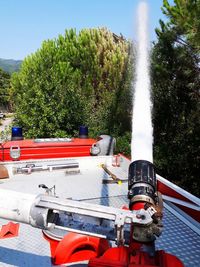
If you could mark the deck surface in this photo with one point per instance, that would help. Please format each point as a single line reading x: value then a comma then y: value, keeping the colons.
x: 30, y: 248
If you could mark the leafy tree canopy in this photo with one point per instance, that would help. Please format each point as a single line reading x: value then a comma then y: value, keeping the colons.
x: 184, y: 19
x: 176, y: 79
x: 4, y: 88
x: 72, y: 80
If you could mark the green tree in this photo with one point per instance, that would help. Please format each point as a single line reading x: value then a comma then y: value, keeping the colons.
x: 176, y: 79
x: 4, y: 89
x: 184, y: 19
x: 72, y: 80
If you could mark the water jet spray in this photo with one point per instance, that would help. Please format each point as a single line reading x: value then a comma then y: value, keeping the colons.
x: 142, y: 130
x: 142, y: 185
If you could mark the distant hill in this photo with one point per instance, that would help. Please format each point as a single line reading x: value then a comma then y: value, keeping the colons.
x: 10, y: 65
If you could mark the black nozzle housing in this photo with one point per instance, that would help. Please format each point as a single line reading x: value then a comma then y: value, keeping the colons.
x: 141, y: 181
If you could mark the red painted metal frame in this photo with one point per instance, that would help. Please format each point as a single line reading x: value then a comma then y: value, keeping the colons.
x: 76, y: 247
x: 45, y: 150
x: 123, y: 257
x: 168, y: 191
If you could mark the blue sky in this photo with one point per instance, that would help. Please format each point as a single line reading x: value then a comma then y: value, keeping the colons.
x: 26, y: 23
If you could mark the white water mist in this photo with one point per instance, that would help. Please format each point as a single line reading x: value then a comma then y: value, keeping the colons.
x: 142, y: 130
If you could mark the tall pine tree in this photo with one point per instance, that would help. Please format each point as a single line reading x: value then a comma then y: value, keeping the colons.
x: 176, y: 79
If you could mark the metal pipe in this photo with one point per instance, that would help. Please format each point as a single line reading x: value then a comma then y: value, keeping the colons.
x: 15, y: 206
x: 29, y: 168
x: 22, y: 207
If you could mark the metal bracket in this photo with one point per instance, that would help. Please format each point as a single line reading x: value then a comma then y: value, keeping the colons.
x: 91, y: 219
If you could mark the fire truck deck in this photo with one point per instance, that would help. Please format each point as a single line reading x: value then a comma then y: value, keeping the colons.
x: 88, y: 182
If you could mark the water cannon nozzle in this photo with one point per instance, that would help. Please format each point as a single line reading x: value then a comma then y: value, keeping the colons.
x: 141, y: 182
